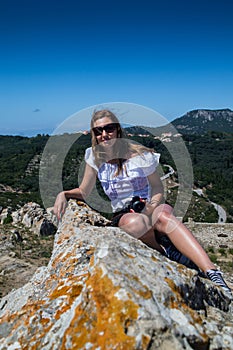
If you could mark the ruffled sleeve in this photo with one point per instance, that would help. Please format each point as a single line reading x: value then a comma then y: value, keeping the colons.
x: 148, y: 162
x: 90, y: 158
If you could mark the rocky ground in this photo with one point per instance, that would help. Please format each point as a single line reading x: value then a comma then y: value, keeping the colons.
x: 217, y: 239
x: 20, y: 259
x: 23, y: 249
x: 26, y: 243
x: 104, y: 289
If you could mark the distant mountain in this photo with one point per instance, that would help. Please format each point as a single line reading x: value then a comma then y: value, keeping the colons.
x: 201, y: 121
x: 196, y: 122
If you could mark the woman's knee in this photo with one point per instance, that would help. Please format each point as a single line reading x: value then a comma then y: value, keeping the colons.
x: 135, y: 224
x: 163, y: 209
x: 164, y: 221
x: 162, y: 216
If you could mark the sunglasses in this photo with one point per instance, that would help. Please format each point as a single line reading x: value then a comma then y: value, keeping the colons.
x: 108, y: 128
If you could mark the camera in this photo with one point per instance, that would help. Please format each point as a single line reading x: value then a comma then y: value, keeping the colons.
x: 136, y: 204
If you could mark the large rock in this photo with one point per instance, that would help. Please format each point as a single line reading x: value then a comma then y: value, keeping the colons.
x: 103, y: 289
x: 36, y: 218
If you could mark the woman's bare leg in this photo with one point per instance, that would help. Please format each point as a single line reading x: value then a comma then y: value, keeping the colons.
x: 166, y: 223
x: 139, y: 226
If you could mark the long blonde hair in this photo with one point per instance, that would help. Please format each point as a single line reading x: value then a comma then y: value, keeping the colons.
x: 122, y: 153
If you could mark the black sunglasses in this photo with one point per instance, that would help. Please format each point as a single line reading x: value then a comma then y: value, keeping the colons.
x: 109, y: 128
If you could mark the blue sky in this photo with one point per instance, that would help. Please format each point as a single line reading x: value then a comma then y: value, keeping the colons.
x: 59, y: 57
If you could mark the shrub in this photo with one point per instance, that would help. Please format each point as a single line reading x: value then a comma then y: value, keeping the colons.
x: 231, y: 251
x: 211, y: 250
x: 8, y: 219
x: 213, y: 258
x: 222, y: 251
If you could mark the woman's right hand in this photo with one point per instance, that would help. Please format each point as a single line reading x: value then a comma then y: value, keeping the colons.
x: 60, y: 205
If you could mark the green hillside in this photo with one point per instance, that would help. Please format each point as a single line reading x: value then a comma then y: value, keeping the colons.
x: 212, y: 157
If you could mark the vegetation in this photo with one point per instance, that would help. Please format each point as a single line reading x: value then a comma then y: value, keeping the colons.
x: 212, y: 158
x: 15, y: 154
x: 222, y: 257
x: 8, y: 220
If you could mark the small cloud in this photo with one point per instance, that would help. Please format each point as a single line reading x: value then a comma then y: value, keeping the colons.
x: 36, y: 110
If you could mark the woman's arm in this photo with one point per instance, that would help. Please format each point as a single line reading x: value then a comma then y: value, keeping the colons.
x: 157, y: 190
x: 157, y: 193
x: 82, y: 192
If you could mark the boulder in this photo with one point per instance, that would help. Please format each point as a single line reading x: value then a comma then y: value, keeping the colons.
x: 103, y: 289
x: 36, y: 218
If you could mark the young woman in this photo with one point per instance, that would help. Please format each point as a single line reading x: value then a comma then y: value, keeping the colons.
x: 126, y: 170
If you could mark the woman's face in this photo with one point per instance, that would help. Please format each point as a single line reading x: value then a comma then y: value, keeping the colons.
x: 105, y: 131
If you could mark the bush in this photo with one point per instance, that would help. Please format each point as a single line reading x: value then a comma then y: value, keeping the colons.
x: 222, y: 251
x: 211, y: 250
x: 8, y: 220
x: 213, y: 258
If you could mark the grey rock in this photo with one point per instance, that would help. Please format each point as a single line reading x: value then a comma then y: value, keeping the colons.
x: 103, y: 289
x: 36, y: 218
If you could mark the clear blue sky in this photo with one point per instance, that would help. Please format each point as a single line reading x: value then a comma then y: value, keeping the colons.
x: 58, y: 57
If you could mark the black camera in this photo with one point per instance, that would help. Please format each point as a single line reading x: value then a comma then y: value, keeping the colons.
x: 136, y: 204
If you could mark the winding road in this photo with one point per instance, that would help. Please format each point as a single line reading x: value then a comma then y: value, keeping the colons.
x: 222, y: 216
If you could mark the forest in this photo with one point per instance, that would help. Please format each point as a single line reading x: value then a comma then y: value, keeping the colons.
x: 211, y: 155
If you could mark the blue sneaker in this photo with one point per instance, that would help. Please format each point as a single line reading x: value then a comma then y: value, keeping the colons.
x: 216, y: 277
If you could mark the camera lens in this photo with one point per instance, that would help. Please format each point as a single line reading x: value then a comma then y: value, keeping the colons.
x: 138, y: 206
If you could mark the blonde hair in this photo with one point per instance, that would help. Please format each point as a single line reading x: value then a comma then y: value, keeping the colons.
x: 122, y: 153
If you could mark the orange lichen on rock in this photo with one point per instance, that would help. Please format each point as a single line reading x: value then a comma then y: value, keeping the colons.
x: 104, y: 290
x: 102, y: 318
x: 153, y: 258
x: 66, y: 290
x: 177, y: 302
x: 141, y: 289
x: 69, y: 259
x: 31, y: 315
x: 31, y: 318
x: 69, y: 295
x: 66, y: 232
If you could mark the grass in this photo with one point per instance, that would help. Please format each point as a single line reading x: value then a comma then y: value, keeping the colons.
x: 217, y: 256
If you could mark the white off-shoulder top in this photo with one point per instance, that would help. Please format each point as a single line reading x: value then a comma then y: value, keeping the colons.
x: 131, y: 182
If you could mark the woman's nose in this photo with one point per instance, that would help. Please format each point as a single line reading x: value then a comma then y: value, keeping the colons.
x: 104, y: 133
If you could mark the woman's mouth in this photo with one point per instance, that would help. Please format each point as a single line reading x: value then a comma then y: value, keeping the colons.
x: 107, y: 141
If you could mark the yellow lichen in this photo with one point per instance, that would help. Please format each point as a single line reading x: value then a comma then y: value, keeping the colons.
x: 142, y: 290
x: 129, y: 255
x: 154, y: 258
x: 102, y: 318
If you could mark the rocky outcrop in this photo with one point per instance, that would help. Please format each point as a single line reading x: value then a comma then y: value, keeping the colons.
x: 36, y: 218
x: 103, y: 289
x: 201, y: 121
x: 26, y: 239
